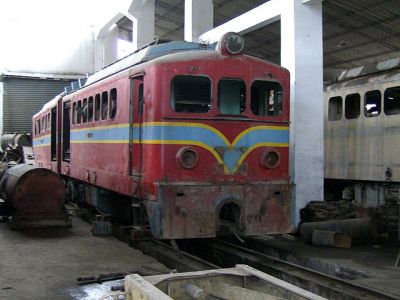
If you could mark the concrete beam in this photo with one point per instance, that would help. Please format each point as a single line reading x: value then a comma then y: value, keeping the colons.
x: 143, y: 12
x: 199, y: 18
x: 258, y: 17
x: 312, y: 2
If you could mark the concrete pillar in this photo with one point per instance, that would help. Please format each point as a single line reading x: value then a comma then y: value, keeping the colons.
x: 302, y: 55
x: 199, y: 18
x: 143, y: 12
x: 1, y: 104
x: 106, y: 50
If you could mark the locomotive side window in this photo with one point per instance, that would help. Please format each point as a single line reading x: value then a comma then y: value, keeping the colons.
x: 191, y: 94
x: 266, y: 98
x: 79, y: 112
x: 231, y: 96
x: 104, y: 105
x: 392, y: 101
x: 113, y: 103
x: 372, y: 103
x: 90, y: 109
x: 97, y: 107
x: 74, y: 113
x: 84, y: 110
x: 352, y: 106
x: 335, y: 108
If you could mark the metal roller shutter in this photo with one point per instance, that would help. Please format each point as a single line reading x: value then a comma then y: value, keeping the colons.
x: 24, y: 97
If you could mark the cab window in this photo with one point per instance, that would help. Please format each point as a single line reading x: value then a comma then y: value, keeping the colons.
x: 191, y: 94
x: 266, y: 98
x: 231, y: 96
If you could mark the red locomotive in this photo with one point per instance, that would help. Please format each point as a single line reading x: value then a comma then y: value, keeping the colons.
x: 193, y: 138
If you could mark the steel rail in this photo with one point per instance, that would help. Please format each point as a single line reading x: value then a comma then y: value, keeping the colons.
x: 227, y: 254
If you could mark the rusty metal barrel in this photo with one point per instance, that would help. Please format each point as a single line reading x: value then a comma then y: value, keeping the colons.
x: 33, y: 192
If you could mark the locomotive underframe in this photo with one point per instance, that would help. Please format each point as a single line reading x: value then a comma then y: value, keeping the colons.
x: 184, y: 210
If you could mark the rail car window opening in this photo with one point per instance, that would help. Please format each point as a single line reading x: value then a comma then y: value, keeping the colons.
x: 90, y: 109
x: 84, y: 110
x: 97, y: 107
x: 66, y: 130
x: 392, y: 101
x: 74, y: 113
x: 79, y: 112
x: 231, y: 96
x: 335, y: 108
x: 104, y: 105
x: 266, y: 98
x: 372, y: 103
x: 352, y: 106
x: 113, y: 103
x: 191, y: 94
x: 53, y: 134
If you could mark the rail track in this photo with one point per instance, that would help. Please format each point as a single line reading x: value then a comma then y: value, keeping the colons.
x: 227, y: 254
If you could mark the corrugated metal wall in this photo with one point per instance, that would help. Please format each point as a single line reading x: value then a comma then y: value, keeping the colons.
x: 23, y: 97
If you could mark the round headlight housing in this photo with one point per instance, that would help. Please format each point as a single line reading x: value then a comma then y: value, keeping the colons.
x: 187, y: 158
x: 231, y: 43
x: 270, y: 159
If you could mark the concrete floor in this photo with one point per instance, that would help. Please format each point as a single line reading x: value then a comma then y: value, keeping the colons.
x: 44, y: 263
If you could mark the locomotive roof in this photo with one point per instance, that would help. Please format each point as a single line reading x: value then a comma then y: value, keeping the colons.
x: 146, y: 54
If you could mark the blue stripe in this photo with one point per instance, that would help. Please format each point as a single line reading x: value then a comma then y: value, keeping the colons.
x: 41, y: 141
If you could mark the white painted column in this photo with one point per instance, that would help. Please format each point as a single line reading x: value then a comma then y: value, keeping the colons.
x: 1, y: 105
x: 143, y: 12
x: 199, y: 18
x: 302, y: 55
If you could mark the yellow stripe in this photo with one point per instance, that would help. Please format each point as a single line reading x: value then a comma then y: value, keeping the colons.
x: 244, y: 155
x: 41, y: 145
x: 157, y: 142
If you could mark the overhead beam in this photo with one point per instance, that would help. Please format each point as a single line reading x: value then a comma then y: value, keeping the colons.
x: 258, y: 17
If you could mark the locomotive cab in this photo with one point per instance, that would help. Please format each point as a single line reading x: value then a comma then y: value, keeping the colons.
x: 214, y: 138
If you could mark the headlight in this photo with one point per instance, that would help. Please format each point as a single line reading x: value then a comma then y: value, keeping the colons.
x: 187, y: 158
x: 270, y: 159
x: 231, y: 43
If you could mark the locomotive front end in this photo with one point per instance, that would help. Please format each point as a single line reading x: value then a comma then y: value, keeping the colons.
x: 221, y: 130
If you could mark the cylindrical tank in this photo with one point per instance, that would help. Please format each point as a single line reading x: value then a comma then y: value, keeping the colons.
x: 33, y: 192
